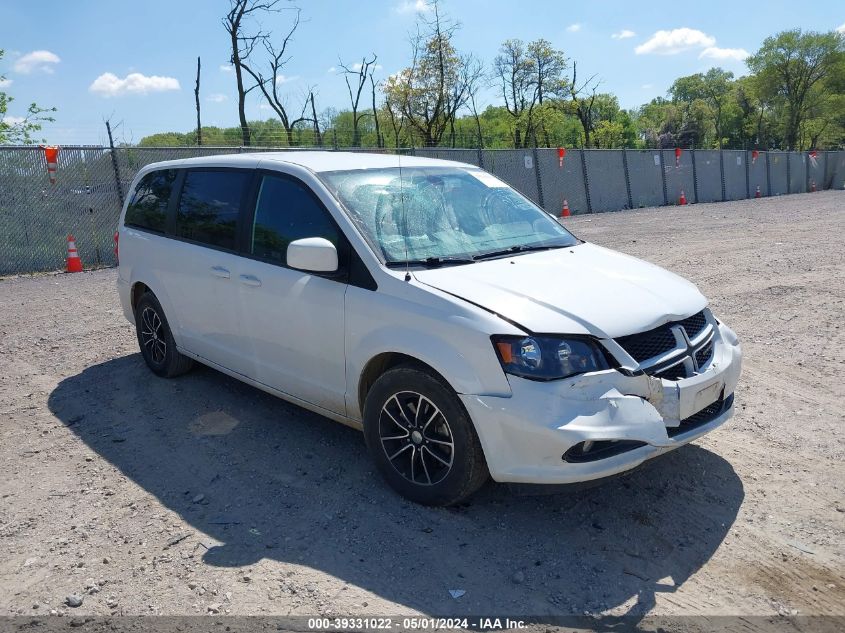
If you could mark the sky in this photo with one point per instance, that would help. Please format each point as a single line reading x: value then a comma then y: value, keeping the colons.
x: 135, y: 62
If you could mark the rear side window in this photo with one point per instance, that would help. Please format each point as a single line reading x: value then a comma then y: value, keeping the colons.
x: 148, y: 206
x: 209, y: 206
x: 286, y: 211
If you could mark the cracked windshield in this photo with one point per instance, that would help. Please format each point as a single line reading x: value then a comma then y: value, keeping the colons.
x: 436, y: 215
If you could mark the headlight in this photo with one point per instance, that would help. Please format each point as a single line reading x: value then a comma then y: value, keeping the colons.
x: 548, y: 357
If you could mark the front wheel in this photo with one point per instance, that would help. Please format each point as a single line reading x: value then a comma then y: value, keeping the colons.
x: 421, y: 438
x: 156, y: 340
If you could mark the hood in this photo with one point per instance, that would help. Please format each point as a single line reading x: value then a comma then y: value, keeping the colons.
x: 585, y: 289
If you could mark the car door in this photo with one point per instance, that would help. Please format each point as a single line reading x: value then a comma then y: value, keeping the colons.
x: 293, y: 319
x: 203, y: 264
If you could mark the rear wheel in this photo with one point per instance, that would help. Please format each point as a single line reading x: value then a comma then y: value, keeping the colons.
x: 421, y: 438
x: 156, y: 340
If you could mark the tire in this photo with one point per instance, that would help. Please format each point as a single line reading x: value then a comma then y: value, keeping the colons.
x: 431, y: 454
x: 156, y: 340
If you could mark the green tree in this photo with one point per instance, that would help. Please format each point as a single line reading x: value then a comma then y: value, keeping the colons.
x: 795, y: 68
x: 713, y: 91
x: 16, y: 130
x: 429, y: 93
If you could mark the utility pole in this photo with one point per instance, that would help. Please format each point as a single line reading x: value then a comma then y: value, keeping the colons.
x: 197, y: 97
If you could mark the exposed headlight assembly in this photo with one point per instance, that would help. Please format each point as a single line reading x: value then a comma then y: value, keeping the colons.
x: 548, y: 357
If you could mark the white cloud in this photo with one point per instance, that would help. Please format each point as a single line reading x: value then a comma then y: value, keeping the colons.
x: 36, y: 60
x: 12, y: 120
x: 284, y: 79
x: 332, y: 70
x: 675, y: 41
x: 714, y: 52
x: 227, y: 68
x: 413, y: 6
x: 110, y: 85
x: 647, y: 86
x: 624, y: 34
x: 5, y: 83
x: 216, y: 97
x: 574, y: 28
x: 841, y: 29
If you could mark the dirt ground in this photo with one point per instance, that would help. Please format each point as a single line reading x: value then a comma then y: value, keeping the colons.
x: 203, y: 495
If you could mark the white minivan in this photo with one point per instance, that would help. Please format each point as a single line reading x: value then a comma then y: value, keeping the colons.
x: 462, y: 328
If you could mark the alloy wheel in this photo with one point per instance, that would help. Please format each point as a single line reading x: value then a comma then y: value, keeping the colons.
x: 416, y: 438
x: 152, y: 335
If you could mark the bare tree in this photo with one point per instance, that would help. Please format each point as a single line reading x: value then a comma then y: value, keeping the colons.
x: 318, y: 138
x: 479, y: 79
x: 583, y: 101
x: 361, y: 72
x: 197, y: 99
x: 242, y: 46
x: 269, y: 85
x: 516, y: 73
x: 379, y: 139
x: 464, y: 91
x: 397, y: 121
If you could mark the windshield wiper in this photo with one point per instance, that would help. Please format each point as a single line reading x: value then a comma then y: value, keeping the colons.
x: 432, y: 262
x: 516, y: 249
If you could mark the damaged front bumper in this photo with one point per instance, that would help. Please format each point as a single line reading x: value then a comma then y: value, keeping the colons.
x: 544, y: 431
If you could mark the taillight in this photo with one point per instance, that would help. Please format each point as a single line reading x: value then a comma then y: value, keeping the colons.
x: 117, y: 247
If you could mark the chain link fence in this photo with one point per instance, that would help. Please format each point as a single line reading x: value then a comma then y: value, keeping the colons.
x: 36, y: 217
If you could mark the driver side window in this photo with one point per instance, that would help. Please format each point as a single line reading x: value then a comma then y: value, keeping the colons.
x: 287, y: 210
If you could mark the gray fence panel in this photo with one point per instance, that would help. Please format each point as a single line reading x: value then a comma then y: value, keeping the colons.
x: 562, y: 183
x: 644, y: 173
x: 797, y: 172
x: 829, y: 168
x: 735, y: 184
x: 778, y: 172
x: 606, y: 178
x: 757, y: 176
x: 515, y: 167
x: 816, y: 169
x: 645, y: 178
x: 709, y: 175
x: 678, y: 176
x: 836, y: 167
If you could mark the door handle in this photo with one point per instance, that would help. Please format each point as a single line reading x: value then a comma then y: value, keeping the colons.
x: 250, y: 280
x: 219, y: 271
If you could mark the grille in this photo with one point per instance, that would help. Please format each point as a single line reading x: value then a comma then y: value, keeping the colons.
x: 673, y: 373
x: 660, y: 340
x: 703, y: 355
x: 648, y: 344
x: 707, y: 414
x: 694, y: 324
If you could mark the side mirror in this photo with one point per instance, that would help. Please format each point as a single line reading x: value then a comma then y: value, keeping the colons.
x: 312, y: 254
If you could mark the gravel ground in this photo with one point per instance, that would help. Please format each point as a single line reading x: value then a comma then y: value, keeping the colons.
x: 199, y: 495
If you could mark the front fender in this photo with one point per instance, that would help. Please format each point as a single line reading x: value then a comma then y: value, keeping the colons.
x: 447, y: 340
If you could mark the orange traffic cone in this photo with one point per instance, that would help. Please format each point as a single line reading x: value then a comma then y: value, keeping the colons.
x: 683, y: 199
x: 812, y: 186
x: 565, y: 211
x: 74, y: 264
x: 757, y: 193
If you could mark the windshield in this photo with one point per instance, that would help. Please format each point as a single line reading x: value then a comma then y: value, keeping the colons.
x: 442, y: 213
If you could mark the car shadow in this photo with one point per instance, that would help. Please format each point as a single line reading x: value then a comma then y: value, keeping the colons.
x: 257, y: 478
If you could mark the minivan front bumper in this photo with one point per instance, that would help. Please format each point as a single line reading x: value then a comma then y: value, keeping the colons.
x: 543, y: 432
